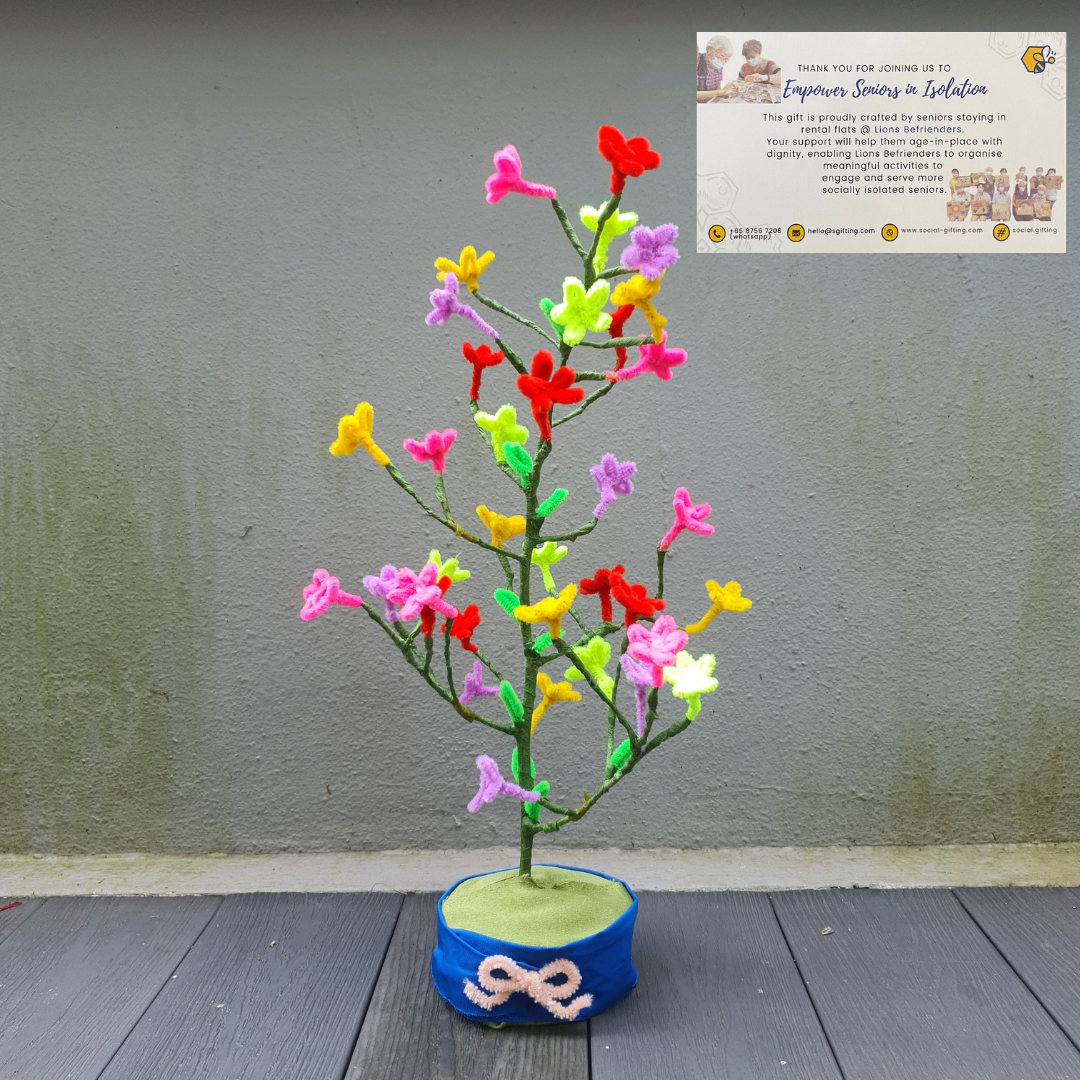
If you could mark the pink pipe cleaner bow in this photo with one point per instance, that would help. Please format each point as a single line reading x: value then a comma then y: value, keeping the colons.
x: 641, y: 676
x: 658, y: 359
x: 444, y: 303
x: 380, y: 588
x: 657, y: 646
x: 433, y: 448
x: 474, y: 685
x: 507, y: 178
x: 688, y: 515
x: 414, y: 592
x: 324, y: 590
x: 492, y: 784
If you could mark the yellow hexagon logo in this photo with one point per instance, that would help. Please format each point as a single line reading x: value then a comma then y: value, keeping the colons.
x: 1036, y: 57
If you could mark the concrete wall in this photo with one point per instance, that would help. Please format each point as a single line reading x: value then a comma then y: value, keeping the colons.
x: 217, y: 230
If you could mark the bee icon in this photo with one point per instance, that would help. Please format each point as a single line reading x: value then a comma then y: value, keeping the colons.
x: 1036, y: 57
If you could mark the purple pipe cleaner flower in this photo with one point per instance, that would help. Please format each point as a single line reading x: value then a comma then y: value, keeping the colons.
x: 380, y: 586
x: 444, y: 303
x: 650, y: 251
x: 474, y: 685
x: 641, y: 676
x: 492, y: 784
x: 611, y: 479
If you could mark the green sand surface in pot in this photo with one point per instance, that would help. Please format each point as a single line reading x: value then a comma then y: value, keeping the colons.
x: 555, y: 907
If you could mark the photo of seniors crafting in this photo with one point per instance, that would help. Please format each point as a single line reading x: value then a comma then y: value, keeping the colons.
x: 983, y: 195
x: 726, y: 75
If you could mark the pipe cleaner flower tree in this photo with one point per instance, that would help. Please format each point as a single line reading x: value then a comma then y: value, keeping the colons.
x: 652, y: 647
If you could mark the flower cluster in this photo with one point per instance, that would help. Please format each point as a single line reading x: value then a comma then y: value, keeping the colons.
x: 652, y: 652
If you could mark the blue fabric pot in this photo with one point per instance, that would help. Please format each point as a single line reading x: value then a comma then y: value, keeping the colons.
x: 539, y: 985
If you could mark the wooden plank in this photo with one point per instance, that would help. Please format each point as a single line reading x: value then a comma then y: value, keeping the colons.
x: 1038, y: 933
x: 410, y: 1033
x: 718, y: 995
x: 78, y: 974
x: 907, y: 987
x: 275, y: 989
x: 11, y: 917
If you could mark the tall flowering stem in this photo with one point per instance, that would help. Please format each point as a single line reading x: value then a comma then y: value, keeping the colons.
x: 524, y: 540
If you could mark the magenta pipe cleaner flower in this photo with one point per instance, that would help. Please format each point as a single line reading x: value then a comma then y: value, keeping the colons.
x: 507, y: 178
x: 492, y: 784
x: 611, y: 479
x: 323, y: 591
x: 380, y: 587
x: 474, y: 685
x: 651, y: 251
x: 658, y: 359
x: 656, y: 646
x: 433, y: 448
x: 414, y: 592
x: 444, y: 303
x: 688, y: 515
x: 641, y: 676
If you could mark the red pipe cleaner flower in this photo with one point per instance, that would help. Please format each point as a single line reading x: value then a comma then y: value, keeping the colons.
x: 600, y: 585
x: 433, y: 448
x: 545, y: 390
x: 464, y: 625
x: 628, y: 157
x: 615, y: 330
x: 481, y: 358
x: 635, y: 601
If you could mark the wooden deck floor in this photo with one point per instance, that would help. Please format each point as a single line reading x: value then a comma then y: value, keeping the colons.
x: 967, y: 984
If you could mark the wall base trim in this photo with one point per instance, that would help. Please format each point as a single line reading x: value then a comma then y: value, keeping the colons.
x: 657, y: 868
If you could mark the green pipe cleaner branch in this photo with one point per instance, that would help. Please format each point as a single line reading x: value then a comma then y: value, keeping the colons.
x: 645, y: 652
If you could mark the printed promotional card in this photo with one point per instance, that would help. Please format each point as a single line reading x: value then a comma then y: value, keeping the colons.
x: 880, y: 142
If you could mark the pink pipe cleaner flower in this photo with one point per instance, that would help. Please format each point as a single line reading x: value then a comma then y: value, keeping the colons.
x: 507, y: 178
x: 414, y: 592
x: 492, y: 784
x: 444, y: 303
x: 611, y: 479
x: 380, y: 587
x: 658, y: 359
x: 651, y: 252
x: 688, y: 515
x: 323, y: 591
x: 474, y: 685
x: 433, y: 448
x: 657, y: 646
x: 641, y: 676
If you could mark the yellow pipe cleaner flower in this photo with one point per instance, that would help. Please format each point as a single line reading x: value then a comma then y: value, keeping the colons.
x: 354, y: 431
x: 503, y: 427
x: 640, y: 293
x: 551, y: 692
x: 727, y: 597
x: 468, y: 269
x: 502, y: 528
x: 549, y: 610
x: 615, y: 225
x: 581, y: 311
x: 545, y: 557
x: 691, y: 678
